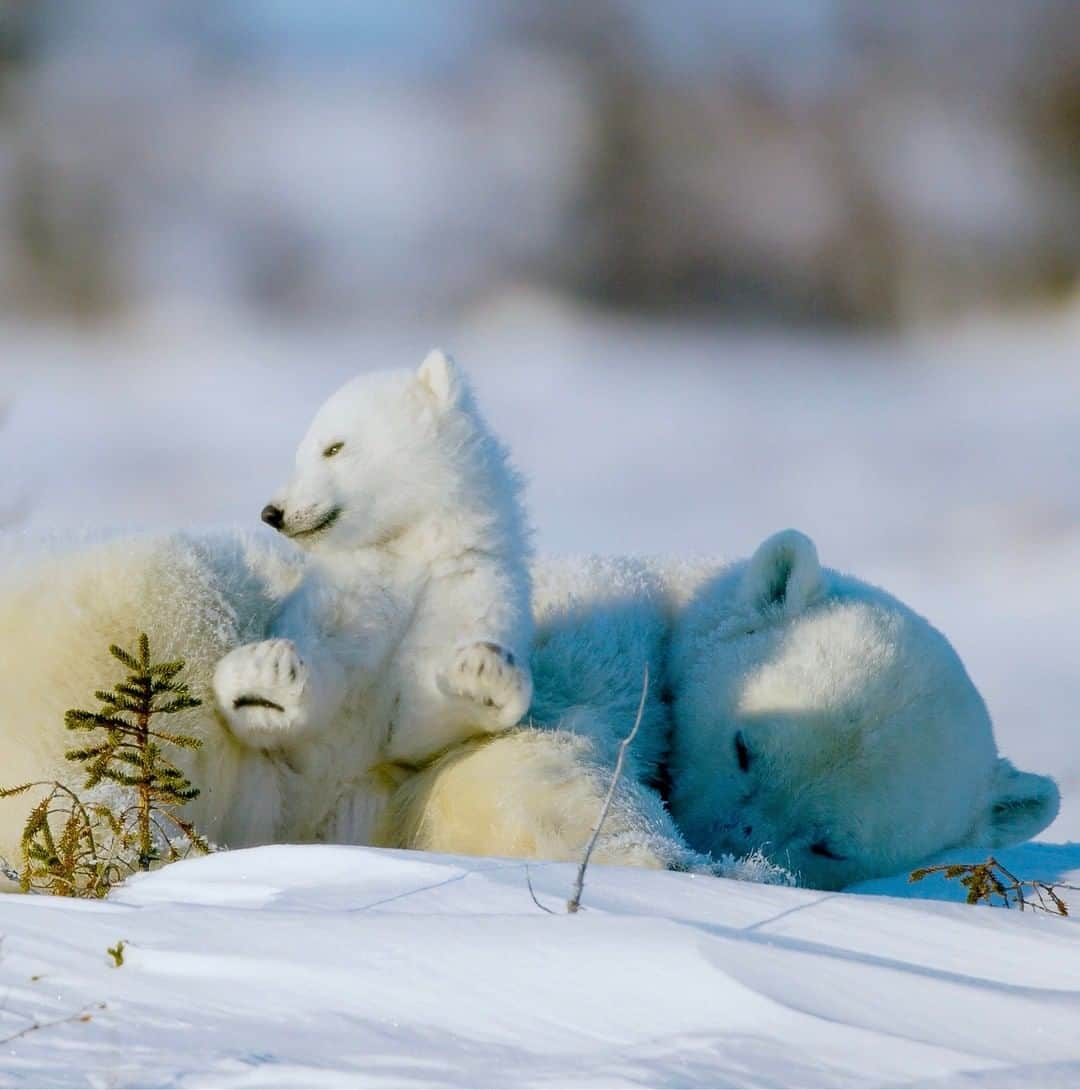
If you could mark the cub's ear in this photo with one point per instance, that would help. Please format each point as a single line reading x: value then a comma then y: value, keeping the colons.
x: 1021, y: 804
x: 441, y: 377
x: 784, y: 574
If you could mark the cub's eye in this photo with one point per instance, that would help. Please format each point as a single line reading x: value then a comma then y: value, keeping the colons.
x: 742, y: 752
x: 823, y: 849
x: 334, y: 448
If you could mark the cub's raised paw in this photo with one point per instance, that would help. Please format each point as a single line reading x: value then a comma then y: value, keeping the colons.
x: 491, y: 677
x: 262, y: 690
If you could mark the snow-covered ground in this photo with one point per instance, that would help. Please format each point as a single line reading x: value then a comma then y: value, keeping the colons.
x: 940, y: 465
x: 327, y: 966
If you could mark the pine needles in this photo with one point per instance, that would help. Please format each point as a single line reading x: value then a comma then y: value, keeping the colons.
x: 989, y: 880
x: 130, y: 752
x: 73, y: 848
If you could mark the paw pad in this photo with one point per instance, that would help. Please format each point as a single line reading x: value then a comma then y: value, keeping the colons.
x: 488, y: 674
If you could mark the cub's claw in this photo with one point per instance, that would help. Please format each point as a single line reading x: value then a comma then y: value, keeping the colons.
x: 262, y: 690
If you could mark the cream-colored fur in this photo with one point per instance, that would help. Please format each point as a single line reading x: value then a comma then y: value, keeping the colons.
x: 529, y: 794
x: 58, y: 615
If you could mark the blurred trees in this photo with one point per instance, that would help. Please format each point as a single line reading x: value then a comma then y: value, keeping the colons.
x: 61, y: 253
x: 903, y: 171
x: 835, y: 162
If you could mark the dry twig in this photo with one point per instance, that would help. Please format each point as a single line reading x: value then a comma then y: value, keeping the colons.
x: 990, y: 879
x: 82, y: 1015
x: 532, y: 893
x: 575, y: 901
x: 9, y: 872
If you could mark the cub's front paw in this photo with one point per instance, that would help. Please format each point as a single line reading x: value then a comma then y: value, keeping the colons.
x: 491, y: 677
x: 262, y: 690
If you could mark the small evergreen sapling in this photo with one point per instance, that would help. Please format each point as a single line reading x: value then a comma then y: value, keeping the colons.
x: 74, y: 848
x: 130, y: 755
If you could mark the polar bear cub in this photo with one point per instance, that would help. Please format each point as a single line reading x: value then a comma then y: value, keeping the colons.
x: 417, y: 580
x: 819, y: 719
x: 399, y: 627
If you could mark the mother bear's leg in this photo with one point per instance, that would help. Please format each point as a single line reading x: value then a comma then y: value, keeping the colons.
x: 531, y: 793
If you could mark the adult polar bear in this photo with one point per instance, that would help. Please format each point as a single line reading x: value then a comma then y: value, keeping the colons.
x: 810, y: 717
x: 402, y: 629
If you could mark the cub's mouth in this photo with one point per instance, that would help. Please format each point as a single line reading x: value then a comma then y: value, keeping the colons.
x: 319, y: 527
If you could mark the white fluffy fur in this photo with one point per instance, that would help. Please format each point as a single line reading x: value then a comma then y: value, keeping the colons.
x: 402, y: 629
x: 861, y: 734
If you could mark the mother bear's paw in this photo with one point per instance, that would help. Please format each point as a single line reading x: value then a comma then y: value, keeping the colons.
x: 263, y: 690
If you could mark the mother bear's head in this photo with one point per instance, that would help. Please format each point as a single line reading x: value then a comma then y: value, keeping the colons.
x: 819, y: 719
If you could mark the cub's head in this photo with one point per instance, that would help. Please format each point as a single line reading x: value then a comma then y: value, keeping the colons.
x: 391, y: 451
x: 822, y: 721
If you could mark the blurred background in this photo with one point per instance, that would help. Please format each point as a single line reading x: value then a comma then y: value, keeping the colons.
x: 716, y: 269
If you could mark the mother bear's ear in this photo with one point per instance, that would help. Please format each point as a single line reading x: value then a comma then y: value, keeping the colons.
x: 784, y: 574
x: 1022, y: 804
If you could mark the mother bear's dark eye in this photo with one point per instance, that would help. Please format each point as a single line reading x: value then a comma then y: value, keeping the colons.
x: 334, y: 448
x: 742, y: 752
x: 823, y: 849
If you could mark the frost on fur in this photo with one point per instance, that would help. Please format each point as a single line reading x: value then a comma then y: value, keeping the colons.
x: 755, y: 867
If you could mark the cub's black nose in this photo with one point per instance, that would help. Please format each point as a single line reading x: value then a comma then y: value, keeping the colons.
x: 273, y: 516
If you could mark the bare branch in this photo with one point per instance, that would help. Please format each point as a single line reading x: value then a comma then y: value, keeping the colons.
x: 984, y: 882
x: 82, y: 1015
x: 532, y: 893
x: 575, y: 901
